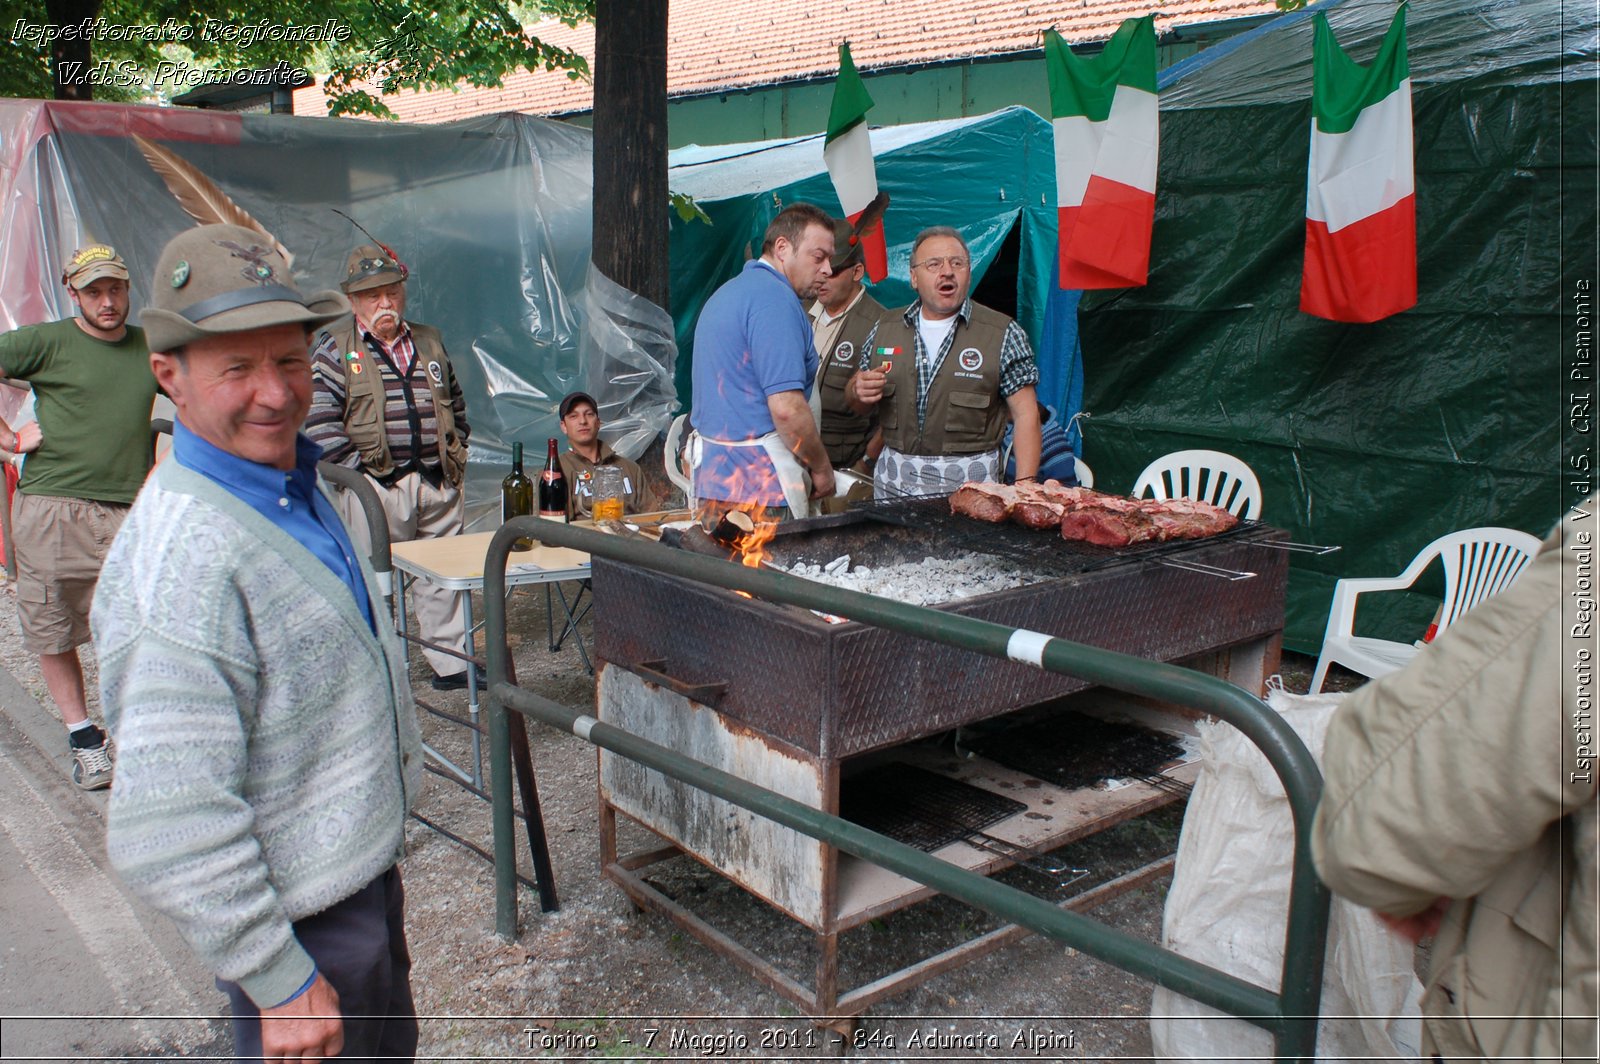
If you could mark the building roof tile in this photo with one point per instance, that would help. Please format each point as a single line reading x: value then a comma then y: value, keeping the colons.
x: 795, y: 40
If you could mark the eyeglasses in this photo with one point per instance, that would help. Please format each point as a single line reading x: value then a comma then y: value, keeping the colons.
x: 956, y: 263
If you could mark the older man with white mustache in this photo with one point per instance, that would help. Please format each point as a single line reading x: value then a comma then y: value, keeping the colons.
x: 388, y: 403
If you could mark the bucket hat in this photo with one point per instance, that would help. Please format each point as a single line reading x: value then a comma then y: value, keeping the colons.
x: 218, y: 279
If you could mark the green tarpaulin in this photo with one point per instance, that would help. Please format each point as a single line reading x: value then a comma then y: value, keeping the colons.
x: 1376, y: 437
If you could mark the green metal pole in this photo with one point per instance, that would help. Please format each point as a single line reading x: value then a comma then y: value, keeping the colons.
x: 1302, y: 781
x: 498, y: 673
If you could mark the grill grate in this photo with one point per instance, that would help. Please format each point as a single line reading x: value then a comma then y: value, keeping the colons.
x: 1042, y: 550
x: 921, y: 808
x: 1073, y: 750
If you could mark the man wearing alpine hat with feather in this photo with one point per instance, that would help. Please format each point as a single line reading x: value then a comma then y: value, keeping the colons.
x: 388, y: 403
x: 256, y: 689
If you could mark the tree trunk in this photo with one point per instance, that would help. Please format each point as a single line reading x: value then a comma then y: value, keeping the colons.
x: 630, y: 145
x: 70, y: 59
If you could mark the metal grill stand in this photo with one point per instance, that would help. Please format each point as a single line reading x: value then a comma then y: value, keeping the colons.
x: 778, y: 697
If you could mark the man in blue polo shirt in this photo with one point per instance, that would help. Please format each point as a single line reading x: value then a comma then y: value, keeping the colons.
x: 754, y: 364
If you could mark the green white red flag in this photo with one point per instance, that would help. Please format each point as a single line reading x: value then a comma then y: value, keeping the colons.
x: 1103, y: 109
x: 1361, y: 217
x: 847, y: 152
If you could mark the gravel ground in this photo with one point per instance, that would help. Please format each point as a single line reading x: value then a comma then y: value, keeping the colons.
x: 600, y: 980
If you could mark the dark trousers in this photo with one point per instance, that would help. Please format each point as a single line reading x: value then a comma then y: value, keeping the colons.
x: 359, y: 945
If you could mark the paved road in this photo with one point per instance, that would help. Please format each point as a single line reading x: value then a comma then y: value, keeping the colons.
x: 87, y: 972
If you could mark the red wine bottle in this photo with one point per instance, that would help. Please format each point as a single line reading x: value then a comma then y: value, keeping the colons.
x: 552, y: 487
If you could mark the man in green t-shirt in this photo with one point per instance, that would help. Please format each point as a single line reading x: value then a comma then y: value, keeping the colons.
x: 88, y: 453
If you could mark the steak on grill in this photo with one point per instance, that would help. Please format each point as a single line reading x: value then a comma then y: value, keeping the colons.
x: 1041, y: 505
x: 983, y: 501
x: 1108, y: 527
x: 1190, y: 518
x: 1090, y: 516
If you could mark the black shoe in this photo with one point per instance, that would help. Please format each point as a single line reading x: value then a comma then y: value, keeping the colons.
x: 457, y: 681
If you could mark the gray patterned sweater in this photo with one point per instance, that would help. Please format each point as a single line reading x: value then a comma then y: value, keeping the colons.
x: 267, y: 742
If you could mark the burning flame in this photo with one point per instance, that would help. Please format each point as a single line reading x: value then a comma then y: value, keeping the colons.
x: 753, y: 547
x: 749, y: 534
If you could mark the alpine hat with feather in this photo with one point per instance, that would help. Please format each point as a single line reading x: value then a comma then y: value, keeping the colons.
x: 218, y: 279
x: 372, y: 266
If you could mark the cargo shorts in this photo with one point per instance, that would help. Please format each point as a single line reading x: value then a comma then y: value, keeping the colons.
x: 60, y: 543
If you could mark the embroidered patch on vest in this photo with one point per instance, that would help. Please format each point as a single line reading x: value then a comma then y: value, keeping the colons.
x: 844, y: 352
x: 970, y: 359
x: 436, y: 371
x: 355, y: 368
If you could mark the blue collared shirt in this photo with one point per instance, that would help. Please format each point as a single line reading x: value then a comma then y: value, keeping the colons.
x: 289, y: 500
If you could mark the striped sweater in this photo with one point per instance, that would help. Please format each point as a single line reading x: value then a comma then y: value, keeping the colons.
x: 268, y: 747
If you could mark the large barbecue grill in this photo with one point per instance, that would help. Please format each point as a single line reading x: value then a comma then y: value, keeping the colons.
x: 797, y: 702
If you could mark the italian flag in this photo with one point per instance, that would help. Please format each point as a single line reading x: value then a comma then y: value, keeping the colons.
x: 1361, y: 216
x: 847, y: 152
x: 1103, y: 110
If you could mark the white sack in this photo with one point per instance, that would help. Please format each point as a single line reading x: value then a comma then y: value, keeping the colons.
x: 1229, y: 907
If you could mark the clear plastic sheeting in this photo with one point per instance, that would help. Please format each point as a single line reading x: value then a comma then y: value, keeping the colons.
x: 628, y: 350
x: 492, y: 215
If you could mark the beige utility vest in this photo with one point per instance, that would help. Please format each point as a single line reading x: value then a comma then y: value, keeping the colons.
x: 365, y: 399
x: 845, y: 432
x: 965, y: 412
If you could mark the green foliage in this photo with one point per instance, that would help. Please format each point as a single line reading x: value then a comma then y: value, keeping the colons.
x: 150, y: 49
x: 688, y: 210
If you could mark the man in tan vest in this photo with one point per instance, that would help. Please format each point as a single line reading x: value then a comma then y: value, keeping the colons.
x: 387, y: 403
x: 842, y: 318
x: 944, y: 376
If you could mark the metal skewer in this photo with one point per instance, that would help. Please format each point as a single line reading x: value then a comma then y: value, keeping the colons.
x: 1302, y: 548
x: 1202, y: 567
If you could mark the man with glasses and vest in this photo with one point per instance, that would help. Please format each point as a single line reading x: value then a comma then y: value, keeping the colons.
x: 842, y: 318
x: 387, y: 402
x: 944, y: 377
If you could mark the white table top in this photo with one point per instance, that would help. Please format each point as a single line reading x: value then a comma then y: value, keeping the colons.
x: 456, y: 562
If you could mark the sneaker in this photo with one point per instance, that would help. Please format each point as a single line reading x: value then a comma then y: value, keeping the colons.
x: 457, y: 681
x: 91, y: 766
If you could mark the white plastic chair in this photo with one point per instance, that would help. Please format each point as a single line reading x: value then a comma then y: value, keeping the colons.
x: 1205, y: 476
x: 1478, y: 563
x: 670, y: 457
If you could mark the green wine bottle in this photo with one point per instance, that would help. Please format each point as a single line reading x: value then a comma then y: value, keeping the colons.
x: 516, y: 496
